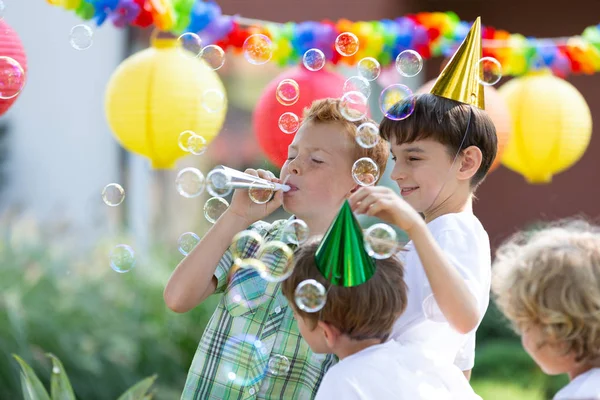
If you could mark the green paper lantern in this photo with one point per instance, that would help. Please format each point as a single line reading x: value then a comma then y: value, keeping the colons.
x: 341, y: 256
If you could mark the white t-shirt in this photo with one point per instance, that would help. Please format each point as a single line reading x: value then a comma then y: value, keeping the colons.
x: 467, y: 246
x: 584, y: 387
x: 393, y: 371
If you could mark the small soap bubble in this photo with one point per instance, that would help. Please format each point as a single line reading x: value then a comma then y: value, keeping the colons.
x: 409, y: 63
x: 380, y: 241
x: 213, y: 56
x: 397, y: 102
x: 357, y: 84
x: 243, y: 241
x: 258, y: 49
x: 213, y: 100
x: 289, y: 123
x: 214, y: 208
x: 287, y: 92
x: 55, y: 369
x: 278, y: 365
x: 196, y: 145
x: 12, y: 78
x: 113, y: 194
x: 346, y: 44
x: 259, y: 194
x: 278, y: 258
x: 314, y: 59
x: 217, y: 183
x: 190, y: 182
x: 183, y: 139
x: 81, y: 37
x: 295, y: 232
x: 190, y: 45
x: 365, y: 171
x: 187, y: 242
x: 310, y: 296
x: 490, y: 71
x: 122, y: 258
x: 369, y: 68
x: 353, y: 106
x: 367, y: 135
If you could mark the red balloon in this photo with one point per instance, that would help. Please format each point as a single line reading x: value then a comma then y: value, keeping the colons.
x: 313, y: 85
x: 11, y: 46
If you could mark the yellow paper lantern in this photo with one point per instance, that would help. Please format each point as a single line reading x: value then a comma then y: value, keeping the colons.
x: 552, y: 126
x: 157, y: 94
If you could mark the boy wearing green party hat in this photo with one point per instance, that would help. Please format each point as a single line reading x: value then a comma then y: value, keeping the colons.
x: 251, y: 348
x: 346, y: 303
x: 442, y: 152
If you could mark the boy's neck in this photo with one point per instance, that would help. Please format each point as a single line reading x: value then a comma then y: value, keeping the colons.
x: 453, y: 205
x: 318, y: 226
x: 578, y: 370
x: 349, y: 346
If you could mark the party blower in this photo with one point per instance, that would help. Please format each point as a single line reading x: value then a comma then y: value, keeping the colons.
x: 222, y: 180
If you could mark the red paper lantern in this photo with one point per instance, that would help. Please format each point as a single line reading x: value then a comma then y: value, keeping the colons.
x: 11, y: 46
x: 313, y: 85
x: 498, y: 111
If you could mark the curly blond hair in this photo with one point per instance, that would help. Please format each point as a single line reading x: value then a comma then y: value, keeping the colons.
x: 328, y: 111
x: 551, y: 279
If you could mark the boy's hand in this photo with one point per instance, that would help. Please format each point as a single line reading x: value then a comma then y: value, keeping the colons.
x: 243, y: 207
x: 382, y: 202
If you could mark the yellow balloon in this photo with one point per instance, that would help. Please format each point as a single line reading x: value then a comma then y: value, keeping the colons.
x: 157, y: 94
x: 552, y: 126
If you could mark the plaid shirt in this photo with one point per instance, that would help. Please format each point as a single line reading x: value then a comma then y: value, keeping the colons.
x: 251, y: 333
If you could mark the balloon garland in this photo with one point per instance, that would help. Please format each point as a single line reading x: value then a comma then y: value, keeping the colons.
x: 430, y: 34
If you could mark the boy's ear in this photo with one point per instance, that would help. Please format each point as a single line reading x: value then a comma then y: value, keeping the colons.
x: 469, y: 162
x: 330, y: 332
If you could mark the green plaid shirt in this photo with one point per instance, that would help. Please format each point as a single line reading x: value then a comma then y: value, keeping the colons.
x: 250, y: 338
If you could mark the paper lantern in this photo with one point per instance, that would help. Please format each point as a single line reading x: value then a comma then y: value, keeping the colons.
x: 497, y: 109
x: 157, y: 94
x: 552, y: 126
x: 11, y: 46
x: 313, y: 85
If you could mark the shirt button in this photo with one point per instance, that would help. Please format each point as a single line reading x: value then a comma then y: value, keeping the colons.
x: 251, y: 391
x: 277, y: 310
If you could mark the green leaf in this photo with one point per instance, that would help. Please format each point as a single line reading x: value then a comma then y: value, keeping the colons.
x: 60, y: 387
x: 33, y: 388
x: 139, y: 391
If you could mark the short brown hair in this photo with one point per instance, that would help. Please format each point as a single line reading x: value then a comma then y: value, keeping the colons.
x: 366, y: 311
x: 328, y: 111
x: 551, y: 279
x: 446, y: 122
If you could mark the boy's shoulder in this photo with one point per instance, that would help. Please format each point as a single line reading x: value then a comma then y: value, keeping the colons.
x: 463, y: 225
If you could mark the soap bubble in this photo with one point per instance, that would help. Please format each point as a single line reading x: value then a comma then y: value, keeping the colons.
x: 258, y: 49
x: 397, y: 102
x: 346, y: 44
x: 367, y: 135
x: 217, y: 183
x: 365, y: 171
x: 182, y: 141
x: 295, y: 232
x: 214, y: 208
x: 314, y: 59
x: 12, y: 78
x: 187, y: 242
x: 287, y: 92
x: 357, y: 84
x: 409, y: 63
x: 246, y: 360
x: 490, y: 71
x: 81, y: 37
x: 259, y: 194
x: 113, y: 194
x: 353, y: 106
x: 289, y: 123
x: 190, y: 45
x: 369, y: 68
x: 122, y: 258
x: 213, y: 56
x: 310, y: 296
x: 278, y: 258
x: 196, y: 145
x: 242, y: 242
x: 213, y: 100
x: 190, y: 182
x: 278, y: 365
x: 380, y: 241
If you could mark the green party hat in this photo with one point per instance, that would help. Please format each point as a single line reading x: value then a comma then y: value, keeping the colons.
x: 341, y: 256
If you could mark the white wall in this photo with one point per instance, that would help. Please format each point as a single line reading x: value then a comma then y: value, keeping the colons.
x: 61, y: 150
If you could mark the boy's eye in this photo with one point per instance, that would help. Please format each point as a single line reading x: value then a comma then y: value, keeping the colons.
x: 413, y: 159
x: 394, y: 158
x: 317, y: 161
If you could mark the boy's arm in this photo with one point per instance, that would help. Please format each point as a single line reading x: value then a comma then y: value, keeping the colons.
x: 455, y: 300
x: 193, y: 280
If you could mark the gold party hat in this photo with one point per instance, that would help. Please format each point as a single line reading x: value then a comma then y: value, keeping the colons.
x: 460, y: 78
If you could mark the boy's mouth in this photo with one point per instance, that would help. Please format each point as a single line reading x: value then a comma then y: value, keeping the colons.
x: 407, y: 190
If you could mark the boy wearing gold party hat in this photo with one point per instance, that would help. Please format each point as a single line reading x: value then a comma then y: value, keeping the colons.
x: 346, y: 303
x: 442, y: 152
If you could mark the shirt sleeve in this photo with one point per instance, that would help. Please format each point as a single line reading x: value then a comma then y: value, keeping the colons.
x: 465, y: 359
x: 226, y: 261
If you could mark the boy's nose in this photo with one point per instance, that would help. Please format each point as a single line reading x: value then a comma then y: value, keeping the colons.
x: 398, y: 175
